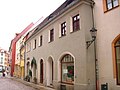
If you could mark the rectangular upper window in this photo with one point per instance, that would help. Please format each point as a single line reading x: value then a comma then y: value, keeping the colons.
x: 34, y: 44
x: 110, y: 4
x: 40, y: 40
x: 51, y: 35
x: 1, y: 53
x: 76, y: 23
x: 63, y: 29
x: 28, y: 47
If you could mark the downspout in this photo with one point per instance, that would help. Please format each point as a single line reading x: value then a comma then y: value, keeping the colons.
x: 96, y: 61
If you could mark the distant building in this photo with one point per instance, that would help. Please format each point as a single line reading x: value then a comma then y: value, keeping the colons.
x: 14, y: 51
x: 4, y: 60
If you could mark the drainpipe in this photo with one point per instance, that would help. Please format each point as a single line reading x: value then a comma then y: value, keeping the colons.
x: 96, y: 61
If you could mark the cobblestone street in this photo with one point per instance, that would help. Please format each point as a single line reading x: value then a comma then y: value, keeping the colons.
x: 9, y: 84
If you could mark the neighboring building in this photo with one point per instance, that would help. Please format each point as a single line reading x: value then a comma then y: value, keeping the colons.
x: 4, y: 60
x: 21, y: 50
x: 22, y: 58
x: 13, y: 51
x: 56, y: 52
x: 107, y: 22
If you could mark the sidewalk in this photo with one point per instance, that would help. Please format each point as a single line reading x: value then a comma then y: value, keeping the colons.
x: 36, y: 86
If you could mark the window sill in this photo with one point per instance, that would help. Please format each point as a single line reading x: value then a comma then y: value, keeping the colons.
x: 40, y: 46
x: 69, y: 83
x: 62, y: 36
x: 74, y: 31
x: 34, y: 48
x: 50, y: 41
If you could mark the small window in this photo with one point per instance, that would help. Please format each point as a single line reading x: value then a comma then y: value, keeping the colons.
x: 34, y: 44
x: 110, y: 4
x: 63, y: 29
x: 76, y: 23
x: 40, y: 40
x: 28, y: 47
x: 1, y: 53
x: 51, y: 35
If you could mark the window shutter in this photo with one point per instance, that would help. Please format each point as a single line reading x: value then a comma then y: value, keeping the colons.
x: 104, y: 5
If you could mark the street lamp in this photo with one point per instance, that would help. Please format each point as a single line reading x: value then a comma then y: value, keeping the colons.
x: 93, y: 32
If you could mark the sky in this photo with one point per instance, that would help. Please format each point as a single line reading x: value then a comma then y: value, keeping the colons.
x: 16, y: 15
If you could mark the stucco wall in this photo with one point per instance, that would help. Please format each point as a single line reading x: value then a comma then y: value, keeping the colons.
x: 108, y: 26
x: 74, y: 43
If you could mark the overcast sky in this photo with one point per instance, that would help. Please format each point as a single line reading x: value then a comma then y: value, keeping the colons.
x: 15, y: 15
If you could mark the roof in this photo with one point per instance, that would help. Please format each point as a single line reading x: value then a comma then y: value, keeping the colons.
x: 23, y: 32
x: 55, y: 13
x: 60, y: 10
x: 13, y: 41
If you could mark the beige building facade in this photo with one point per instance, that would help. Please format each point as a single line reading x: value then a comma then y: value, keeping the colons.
x: 58, y: 47
x: 57, y: 52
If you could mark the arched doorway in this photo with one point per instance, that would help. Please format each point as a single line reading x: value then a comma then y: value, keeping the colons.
x: 34, y: 66
x: 67, y: 69
x: 41, y: 71
x: 28, y: 67
x: 50, y: 71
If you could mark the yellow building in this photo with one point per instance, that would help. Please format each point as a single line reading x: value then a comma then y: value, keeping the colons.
x: 22, y: 51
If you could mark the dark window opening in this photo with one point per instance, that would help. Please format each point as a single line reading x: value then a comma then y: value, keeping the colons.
x: 76, y: 23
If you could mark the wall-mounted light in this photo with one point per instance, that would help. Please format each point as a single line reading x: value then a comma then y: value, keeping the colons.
x: 93, y: 32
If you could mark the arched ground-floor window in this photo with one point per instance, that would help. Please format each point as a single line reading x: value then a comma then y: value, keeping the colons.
x: 41, y: 71
x: 67, y: 69
x: 116, y: 52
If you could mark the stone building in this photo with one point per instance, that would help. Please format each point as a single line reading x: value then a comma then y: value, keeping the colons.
x: 61, y: 51
x: 56, y: 52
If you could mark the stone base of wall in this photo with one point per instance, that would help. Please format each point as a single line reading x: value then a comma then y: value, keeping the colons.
x: 61, y: 86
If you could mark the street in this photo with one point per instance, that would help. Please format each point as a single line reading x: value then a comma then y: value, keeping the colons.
x: 9, y: 84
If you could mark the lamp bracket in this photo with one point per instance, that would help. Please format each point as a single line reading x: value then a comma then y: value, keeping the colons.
x: 88, y: 43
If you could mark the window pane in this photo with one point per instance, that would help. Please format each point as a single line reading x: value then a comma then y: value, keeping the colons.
x: 63, y: 29
x: 115, y: 3
x: 117, y: 47
x: 68, y: 69
x: 76, y: 23
x: 118, y: 70
x: 68, y: 72
x: 109, y: 6
x: 51, y: 35
x: 117, y: 53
